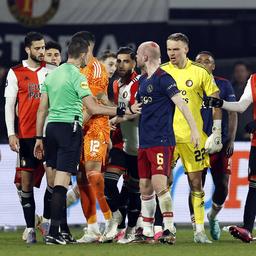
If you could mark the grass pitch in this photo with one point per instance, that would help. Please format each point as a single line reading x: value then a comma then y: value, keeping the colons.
x: 12, y: 245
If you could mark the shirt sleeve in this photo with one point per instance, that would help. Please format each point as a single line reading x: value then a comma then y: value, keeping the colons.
x: 168, y: 85
x: 247, y: 95
x: 81, y: 86
x: 208, y: 83
x: 11, y: 86
x: 230, y: 94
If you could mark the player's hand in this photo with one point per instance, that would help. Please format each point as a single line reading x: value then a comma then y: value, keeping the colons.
x: 134, y: 109
x: 113, y: 122
x: 14, y: 143
x: 229, y: 148
x: 39, y: 149
x: 251, y: 127
x: 214, y: 144
x: 212, y: 102
x: 195, y: 138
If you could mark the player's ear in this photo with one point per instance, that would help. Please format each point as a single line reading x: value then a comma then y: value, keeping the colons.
x: 27, y: 50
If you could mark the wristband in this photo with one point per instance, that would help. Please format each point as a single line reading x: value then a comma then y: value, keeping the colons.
x: 39, y: 137
x: 120, y: 111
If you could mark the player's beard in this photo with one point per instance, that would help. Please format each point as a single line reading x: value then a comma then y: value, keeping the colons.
x: 126, y: 75
x: 37, y: 59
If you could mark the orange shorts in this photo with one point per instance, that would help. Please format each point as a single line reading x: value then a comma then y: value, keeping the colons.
x: 95, y: 146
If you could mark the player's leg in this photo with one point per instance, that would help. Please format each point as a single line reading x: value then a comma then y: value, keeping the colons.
x: 191, y: 209
x: 88, y: 203
x: 194, y: 162
x: 160, y: 166
x: 115, y: 168
x: 148, y: 202
x: 220, y: 174
x: 28, y: 165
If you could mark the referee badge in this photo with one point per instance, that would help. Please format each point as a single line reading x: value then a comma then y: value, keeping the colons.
x: 84, y: 85
x: 150, y: 88
x: 189, y: 83
x: 23, y: 162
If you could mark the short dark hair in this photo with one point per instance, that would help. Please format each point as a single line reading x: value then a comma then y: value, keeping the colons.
x: 76, y: 47
x: 107, y: 54
x: 206, y: 53
x: 243, y: 63
x: 127, y: 50
x: 85, y: 35
x: 32, y: 36
x: 179, y: 37
x: 53, y: 45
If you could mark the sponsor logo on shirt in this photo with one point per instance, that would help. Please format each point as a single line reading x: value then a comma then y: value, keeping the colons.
x: 145, y: 100
x: 34, y: 91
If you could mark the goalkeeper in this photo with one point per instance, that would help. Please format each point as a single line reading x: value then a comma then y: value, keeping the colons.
x: 220, y: 162
x: 193, y: 80
x: 249, y: 96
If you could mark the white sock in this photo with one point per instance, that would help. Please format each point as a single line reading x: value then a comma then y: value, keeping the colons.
x: 165, y: 204
x: 148, y: 209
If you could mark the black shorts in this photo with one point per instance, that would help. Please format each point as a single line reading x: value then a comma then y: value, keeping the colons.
x: 63, y: 147
x: 252, y: 165
x: 26, y: 155
x: 119, y: 159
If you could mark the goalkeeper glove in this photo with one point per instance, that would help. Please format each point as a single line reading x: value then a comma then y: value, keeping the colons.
x: 213, y: 144
x: 251, y: 127
x: 212, y: 102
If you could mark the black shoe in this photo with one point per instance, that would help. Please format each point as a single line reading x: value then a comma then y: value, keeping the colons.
x: 143, y: 239
x: 167, y: 237
x: 55, y: 239
x: 69, y: 238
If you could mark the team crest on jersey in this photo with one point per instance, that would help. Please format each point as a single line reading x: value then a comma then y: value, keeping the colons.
x: 150, y: 88
x: 125, y: 94
x: 23, y: 11
x: 189, y: 83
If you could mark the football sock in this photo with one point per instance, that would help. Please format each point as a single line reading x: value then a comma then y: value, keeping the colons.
x: 28, y: 205
x: 47, y: 202
x: 165, y: 204
x: 97, y: 182
x: 124, y: 200
x: 134, y: 208
x: 63, y: 223
x: 111, y: 190
x: 197, y: 199
x: 148, y: 208
x: 57, y: 204
x: 88, y: 202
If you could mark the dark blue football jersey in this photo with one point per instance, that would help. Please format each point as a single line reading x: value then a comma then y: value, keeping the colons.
x: 156, y: 120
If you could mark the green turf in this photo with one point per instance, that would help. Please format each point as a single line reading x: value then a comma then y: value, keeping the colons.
x: 12, y: 245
